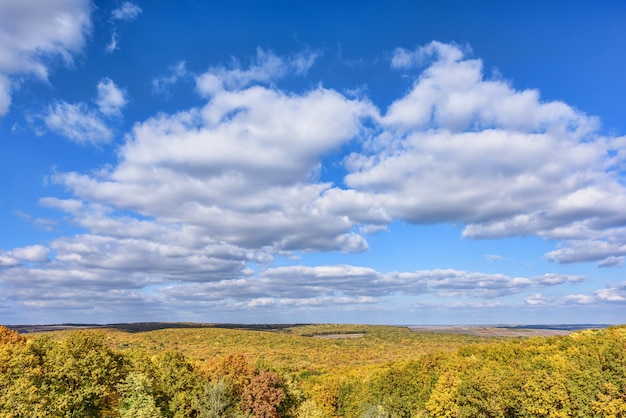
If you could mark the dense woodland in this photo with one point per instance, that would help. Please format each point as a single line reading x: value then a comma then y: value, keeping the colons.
x: 382, y: 372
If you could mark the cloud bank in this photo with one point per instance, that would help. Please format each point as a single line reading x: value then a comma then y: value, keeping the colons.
x: 201, y: 202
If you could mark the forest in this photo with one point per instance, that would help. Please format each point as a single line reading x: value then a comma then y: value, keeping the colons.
x: 310, y: 371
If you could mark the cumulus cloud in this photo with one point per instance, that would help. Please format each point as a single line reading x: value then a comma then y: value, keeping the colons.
x: 111, y: 99
x: 460, y: 148
x: 32, y: 253
x: 5, y: 94
x: 33, y: 34
x: 198, y: 197
x: 240, y: 168
x: 579, y: 299
x: 611, y: 294
x: 536, y: 299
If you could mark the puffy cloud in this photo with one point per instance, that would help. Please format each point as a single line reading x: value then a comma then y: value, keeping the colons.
x: 607, y: 251
x: 32, y: 253
x: 32, y: 33
x: 536, y: 299
x: 197, y: 197
x: 612, y: 294
x: 7, y: 260
x: 78, y: 123
x: 453, y: 94
x: 616, y: 294
x: 579, y: 299
x: 460, y: 148
x: 111, y: 98
x: 242, y: 168
x: 5, y: 94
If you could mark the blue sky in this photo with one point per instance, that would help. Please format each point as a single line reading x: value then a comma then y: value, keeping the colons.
x: 403, y: 162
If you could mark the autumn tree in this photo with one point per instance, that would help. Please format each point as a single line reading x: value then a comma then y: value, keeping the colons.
x: 8, y: 336
x: 264, y: 394
x: 176, y: 384
x: 137, y: 397
x: 81, y: 374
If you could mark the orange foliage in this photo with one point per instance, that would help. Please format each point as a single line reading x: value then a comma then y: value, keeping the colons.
x: 264, y: 395
x: 8, y: 336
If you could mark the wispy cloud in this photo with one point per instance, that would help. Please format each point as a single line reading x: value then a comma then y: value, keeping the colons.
x: 266, y: 67
x: 81, y: 123
x: 78, y: 123
x: 127, y: 12
x: 162, y: 84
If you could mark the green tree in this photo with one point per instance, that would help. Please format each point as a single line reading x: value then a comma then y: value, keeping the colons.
x: 80, y: 375
x: 21, y: 395
x: 137, y: 399
x: 214, y: 400
x: 177, y: 385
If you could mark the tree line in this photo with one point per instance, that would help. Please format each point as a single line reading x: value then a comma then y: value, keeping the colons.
x: 85, y: 375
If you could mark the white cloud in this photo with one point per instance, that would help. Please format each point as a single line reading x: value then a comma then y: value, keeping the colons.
x: 32, y: 253
x: 579, y: 299
x: 82, y: 124
x: 112, y: 45
x: 240, y: 168
x: 536, y: 299
x: 616, y: 294
x: 438, y: 51
x: 111, y: 99
x: 162, y: 84
x: 7, y: 260
x: 5, y: 94
x: 78, y: 123
x: 32, y: 33
x: 589, y: 250
x: 266, y: 67
x: 611, y: 261
x: 127, y: 11
x: 196, y: 198
x: 459, y: 148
